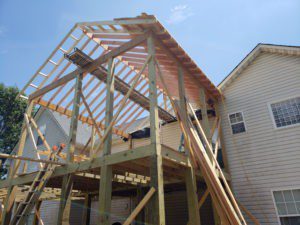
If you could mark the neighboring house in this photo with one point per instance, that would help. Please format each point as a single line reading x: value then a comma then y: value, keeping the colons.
x: 260, y: 117
x: 261, y: 129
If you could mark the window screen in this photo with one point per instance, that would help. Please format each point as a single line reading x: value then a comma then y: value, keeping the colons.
x: 286, y: 113
x: 237, y: 122
x: 288, y: 206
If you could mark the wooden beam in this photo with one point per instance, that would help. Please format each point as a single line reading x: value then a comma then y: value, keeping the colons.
x: 203, y: 198
x: 105, y: 191
x: 76, y: 167
x: 140, y: 206
x: 119, y: 22
x: 7, y: 156
x: 190, y: 179
x: 41, y: 135
x: 94, y: 126
x: 121, y: 107
x: 205, y: 122
x: 65, y: 79
x: 157, y: 204
x: 29, y: 130
x: 221, y: 137
x: 67, y: 183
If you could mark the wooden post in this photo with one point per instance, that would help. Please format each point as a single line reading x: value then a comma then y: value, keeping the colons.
x: 67, y: 183
x: 106, y: 170
x: 11, y: 191
x: 156, y: 206
x: 87, y: 209
x: 205, y: 122
x: 190, y: 179
x: 37, y: 215
x: 223, y: 149
x: 92, y: 140
x: 206, y: 128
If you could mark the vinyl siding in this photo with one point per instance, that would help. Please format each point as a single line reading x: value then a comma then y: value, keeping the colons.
x: 170, y: 135
x: 177, y: 209
x: 49, y: 212
x: 120, y: 210
x: 263, y: 158
x: 54, y: 136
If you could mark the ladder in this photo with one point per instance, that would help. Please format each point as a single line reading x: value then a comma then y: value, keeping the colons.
x: 36, y: 189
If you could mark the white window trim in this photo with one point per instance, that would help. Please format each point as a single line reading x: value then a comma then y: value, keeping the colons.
x: 274, y: 203
x: 272, y: 116
x: 238, y: 122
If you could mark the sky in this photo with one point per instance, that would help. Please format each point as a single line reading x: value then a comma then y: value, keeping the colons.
x: 217, y: 34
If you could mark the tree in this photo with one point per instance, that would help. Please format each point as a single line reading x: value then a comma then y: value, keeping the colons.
x: 11, y: 117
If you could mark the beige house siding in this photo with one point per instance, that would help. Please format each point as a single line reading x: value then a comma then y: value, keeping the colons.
x: 264, y: 158
x: 49, y: 212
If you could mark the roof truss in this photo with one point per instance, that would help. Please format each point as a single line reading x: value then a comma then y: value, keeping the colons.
x: 52, y: 86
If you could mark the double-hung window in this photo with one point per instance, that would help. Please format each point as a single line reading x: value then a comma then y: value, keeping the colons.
x: 286, y: 113
x: 237, y: 122
x: 287, y: 204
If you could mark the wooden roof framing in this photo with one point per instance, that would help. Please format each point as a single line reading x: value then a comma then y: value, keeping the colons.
x: 52, y: 85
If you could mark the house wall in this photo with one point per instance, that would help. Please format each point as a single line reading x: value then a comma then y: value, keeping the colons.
x: 54, y: 136
x: 263, y: 158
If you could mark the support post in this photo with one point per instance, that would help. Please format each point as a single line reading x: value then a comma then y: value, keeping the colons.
x: 67, y: 183
x: 206, y: 128
x: 37, y: 215
x: 223, y: 148
x: 190, y: 178
x: 11, y: 191
x: 156, y: 206
x: 92, y: 140
x: 205, y: 122
x: 106, y: 170
x: 87, y: 209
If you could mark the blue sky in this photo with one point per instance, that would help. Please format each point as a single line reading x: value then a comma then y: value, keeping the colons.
x: 216, y: 34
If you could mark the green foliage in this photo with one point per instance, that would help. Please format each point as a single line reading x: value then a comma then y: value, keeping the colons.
x: 11, y: 117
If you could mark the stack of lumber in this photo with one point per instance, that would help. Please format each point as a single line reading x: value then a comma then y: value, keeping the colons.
x: 223, y: 198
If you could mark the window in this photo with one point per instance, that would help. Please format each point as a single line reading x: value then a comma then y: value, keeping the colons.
x: 287, y: 204
x: 286, y: 113
x: 237, y: 122
x: 39, y: 140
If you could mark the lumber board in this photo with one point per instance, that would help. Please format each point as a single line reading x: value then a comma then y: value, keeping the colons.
x: 7, y: 156
x: 105, y: 187
x: 157, y: 203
